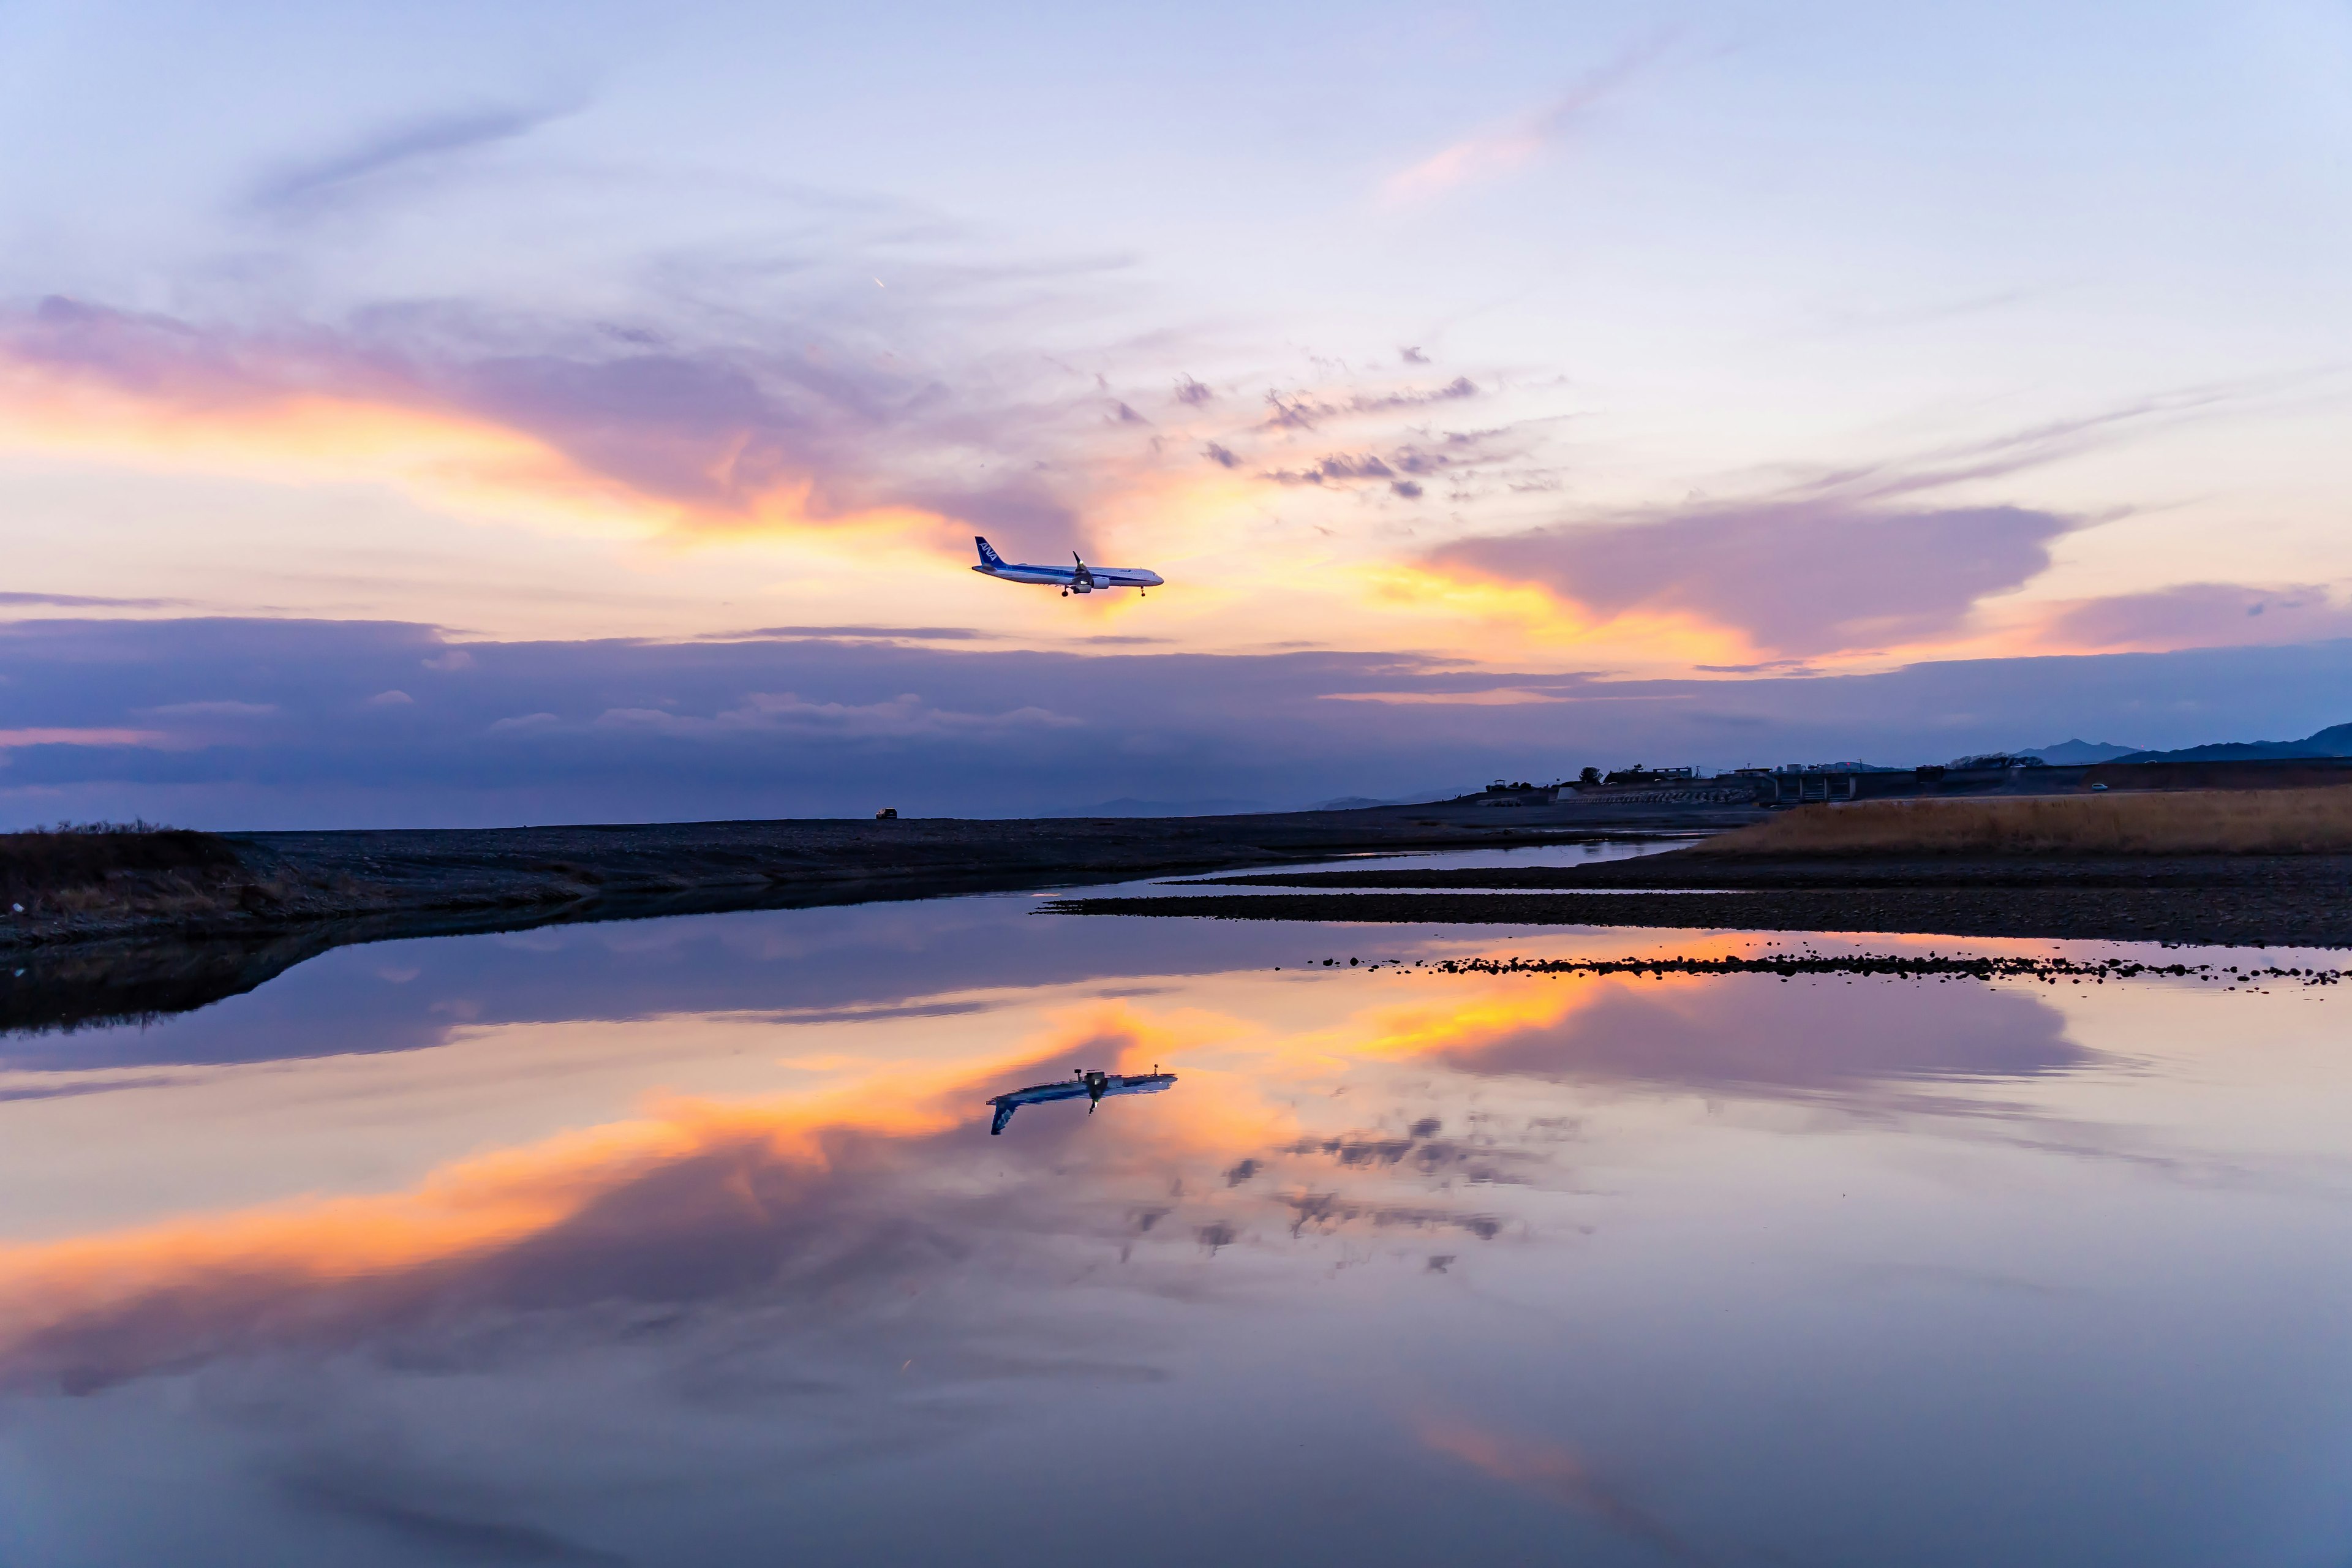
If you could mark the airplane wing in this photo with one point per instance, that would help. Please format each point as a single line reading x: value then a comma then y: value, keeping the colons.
x: 1125, y: 577
x: 1040, y: 1093
x: 1140, y: 1083
x: 1036, y: 1094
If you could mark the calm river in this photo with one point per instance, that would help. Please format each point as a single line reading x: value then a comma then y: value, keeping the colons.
x: 684, y: 1242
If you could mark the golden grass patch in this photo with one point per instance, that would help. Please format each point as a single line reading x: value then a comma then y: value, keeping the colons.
x: 2184, y: 822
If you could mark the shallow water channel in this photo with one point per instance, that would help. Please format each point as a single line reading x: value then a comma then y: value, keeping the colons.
x: 684, y: 1242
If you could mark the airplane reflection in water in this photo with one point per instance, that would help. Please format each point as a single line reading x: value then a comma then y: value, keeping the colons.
x: 1093, y: 1085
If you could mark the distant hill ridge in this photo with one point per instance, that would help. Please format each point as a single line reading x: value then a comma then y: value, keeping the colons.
x: 2335, y: 740
x: 2075, y: 753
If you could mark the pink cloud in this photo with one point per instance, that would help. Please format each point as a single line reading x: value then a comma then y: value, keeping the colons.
x: 1795, y: 578
x: 2203, y: 615
x: 1507, y: 148
x: 11, y: 739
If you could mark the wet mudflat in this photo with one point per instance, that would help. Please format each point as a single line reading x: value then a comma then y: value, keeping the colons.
x: 2247, y: 900
x: 2227, y: 916
x: 683, y: 1241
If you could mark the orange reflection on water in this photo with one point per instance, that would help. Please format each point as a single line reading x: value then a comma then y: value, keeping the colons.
x: 725, y: 1175
x: 1554, y: 1472
x: 1274, y: 1132
x: 187, y: 1285
x: 1476, y: 1010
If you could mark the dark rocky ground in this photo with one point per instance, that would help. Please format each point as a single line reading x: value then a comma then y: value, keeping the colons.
x: 2302, y: 901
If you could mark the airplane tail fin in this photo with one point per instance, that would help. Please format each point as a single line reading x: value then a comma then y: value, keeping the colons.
x: 988, y: 555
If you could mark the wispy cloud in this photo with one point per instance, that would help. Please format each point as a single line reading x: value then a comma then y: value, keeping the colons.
x: 72, y: 735
x: 854, y: 633
x: 222, y: 708
x: 2009, y: 452
x: 1504, y: 149
x: 787, y: 712
x: 1486, y: 696
x: 408, y: 146
x: 85, y: 601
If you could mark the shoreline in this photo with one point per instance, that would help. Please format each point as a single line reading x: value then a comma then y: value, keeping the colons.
x: 2218, y: 901
x: 2243, y: 920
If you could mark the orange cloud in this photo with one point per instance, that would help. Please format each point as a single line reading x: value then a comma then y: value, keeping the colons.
x: 443, y: 457
x: 1517, y: 612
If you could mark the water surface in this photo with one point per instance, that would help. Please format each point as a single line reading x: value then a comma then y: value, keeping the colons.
x: 684, y: 1242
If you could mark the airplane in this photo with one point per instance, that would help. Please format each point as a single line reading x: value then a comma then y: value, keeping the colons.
x: 1093, y: 1085
x: 1080, y: 579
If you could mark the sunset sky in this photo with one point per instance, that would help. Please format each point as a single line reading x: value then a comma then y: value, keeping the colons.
x: 452, y: 414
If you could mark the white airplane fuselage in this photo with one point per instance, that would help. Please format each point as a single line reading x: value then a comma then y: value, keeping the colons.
x: 1078, y: 579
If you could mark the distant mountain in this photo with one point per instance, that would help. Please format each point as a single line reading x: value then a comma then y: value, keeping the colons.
x: 1128, y: 805
x: 2074, y: 753
x: 2335, y: 740
x: 1361, y: 802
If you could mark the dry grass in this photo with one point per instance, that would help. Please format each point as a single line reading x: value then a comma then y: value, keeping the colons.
x: 2186, y: 822
x: 72, y: 866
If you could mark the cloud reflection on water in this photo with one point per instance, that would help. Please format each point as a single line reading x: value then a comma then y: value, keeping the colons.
x: 696, y: 1203
x: 837, y: 1288
x: 1751, y: 1035
x: 1558, y: 1473
x: 706, y: 1200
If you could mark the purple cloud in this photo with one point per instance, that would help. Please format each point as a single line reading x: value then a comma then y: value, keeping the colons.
x: 1303, y: 411
x: 802, y: 725
x: 403, y: 147
x: 1339, y: 468
x: 714, y: 422
x: 2204, y: 614
x: 1797, y: 578
x: 84, y: 601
